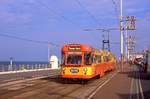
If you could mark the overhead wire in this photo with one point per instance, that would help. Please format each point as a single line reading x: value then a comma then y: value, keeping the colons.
x: 65, y: 18
x: 116, y: 10
x: 29, y: 40
x: 37, y: 41
x: 88, y: 12
x: 91, y: 15
x: 57, y: 14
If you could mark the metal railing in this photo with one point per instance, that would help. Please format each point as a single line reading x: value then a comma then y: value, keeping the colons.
x: 4, y: 69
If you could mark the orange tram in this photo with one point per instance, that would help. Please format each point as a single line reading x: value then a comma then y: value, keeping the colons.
x: 84, y: 62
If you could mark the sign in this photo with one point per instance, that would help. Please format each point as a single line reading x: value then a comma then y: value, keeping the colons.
x: 74, y: 48
x: 74, y: 70
x: 130, y: 23
x: 74, y: 53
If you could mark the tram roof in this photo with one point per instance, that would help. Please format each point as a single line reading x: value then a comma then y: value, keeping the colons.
x: 83, y: 47
x: 77, y: 47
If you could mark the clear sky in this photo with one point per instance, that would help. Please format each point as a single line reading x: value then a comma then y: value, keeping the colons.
x: 64, y: 21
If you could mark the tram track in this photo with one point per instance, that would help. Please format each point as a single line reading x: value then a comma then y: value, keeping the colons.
x: 86, y: 90
x: 55, y: 88
x: 50, y: 88
x: 5, y: 78
x: 9, y: 89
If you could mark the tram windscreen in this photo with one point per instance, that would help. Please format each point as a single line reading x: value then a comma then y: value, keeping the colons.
x: 74, y: 59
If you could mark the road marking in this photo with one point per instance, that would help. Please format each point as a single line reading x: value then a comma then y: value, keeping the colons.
x: 131, y: 88
x: 99, y: 87
x: 137, y: 88
x: 132, y: 84
x: 141, y: 90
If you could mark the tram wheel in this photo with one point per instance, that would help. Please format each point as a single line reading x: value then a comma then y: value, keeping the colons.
x: 65, y: 80
x: 97, y: 77
x: 83, y: 81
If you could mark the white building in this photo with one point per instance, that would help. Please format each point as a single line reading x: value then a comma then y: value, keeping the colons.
x: 54, y: 62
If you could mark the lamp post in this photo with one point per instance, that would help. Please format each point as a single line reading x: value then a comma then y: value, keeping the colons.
x: 121, y: 35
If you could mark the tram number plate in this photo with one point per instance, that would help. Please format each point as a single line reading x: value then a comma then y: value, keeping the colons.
x: 74, y: 70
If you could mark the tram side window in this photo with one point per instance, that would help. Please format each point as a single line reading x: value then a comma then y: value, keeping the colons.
x: 97, y: 59
x: 94, y: 59
x: 105, y: 59
x: 109, y: 58
x: 87, y: 58
x: 62, y: 58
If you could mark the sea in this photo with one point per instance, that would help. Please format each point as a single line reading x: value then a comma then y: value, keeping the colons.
x: 21, y: 65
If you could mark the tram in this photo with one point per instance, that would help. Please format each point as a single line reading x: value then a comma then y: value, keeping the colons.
x: 81, y: 61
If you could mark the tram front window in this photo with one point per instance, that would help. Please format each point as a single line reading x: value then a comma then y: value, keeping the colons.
x: 74, y: 59
x: 87, y: 58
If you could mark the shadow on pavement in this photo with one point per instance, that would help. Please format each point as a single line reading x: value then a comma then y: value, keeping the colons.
x: 133, y: 74
x: 145, y: 81
x: 134, y: 96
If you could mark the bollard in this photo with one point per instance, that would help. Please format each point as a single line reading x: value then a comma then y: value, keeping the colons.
x: 3, y: 68
x: 32, y: 67
x: 43, y: 66
x: 27, y: 66
x: 36, y: 67
x: 46, y: 66
x: 23, y: 67
x: 20, y: 67
x: 13, y: 67
x: 8, y: 68
x: 39, y: 66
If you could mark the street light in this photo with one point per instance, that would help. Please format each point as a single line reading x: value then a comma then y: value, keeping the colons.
x: 121, y: 34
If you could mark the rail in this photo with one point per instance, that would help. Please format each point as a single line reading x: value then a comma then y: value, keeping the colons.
x: 16, y: 68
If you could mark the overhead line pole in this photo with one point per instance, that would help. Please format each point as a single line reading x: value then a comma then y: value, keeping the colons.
x: 121, y: 34
x: 126, y: 39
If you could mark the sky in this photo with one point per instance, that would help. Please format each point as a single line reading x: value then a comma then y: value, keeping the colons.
x: 27, y: 25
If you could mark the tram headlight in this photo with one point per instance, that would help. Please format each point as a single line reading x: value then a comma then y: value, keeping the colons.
x: 85, y: 71
x: 63, y: 70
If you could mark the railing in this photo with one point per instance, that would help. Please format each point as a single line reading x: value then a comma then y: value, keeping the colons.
x: 4, y: 69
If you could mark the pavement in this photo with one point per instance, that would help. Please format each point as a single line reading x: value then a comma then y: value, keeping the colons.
x: 128, y: 84
x: 145, y: 81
